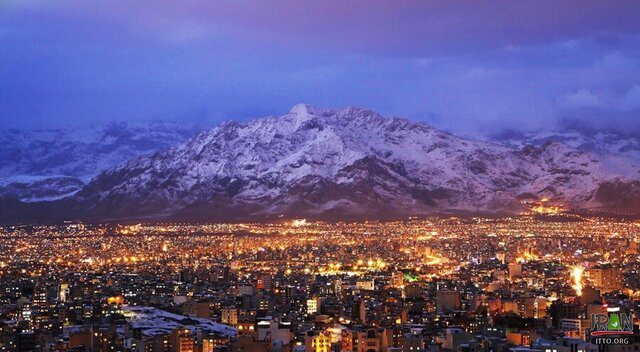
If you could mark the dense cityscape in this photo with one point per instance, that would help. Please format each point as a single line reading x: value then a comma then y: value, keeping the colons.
x: 319, y: 176
x: 526, y: 283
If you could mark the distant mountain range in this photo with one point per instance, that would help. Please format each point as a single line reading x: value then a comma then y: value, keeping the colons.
x: 50, y: 164
x: 619, y: 153
x: 343, y: 163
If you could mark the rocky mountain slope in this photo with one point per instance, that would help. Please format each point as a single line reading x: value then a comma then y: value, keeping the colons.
x: 342, y: 163
x: 618, y: 152
x: 53, y: 163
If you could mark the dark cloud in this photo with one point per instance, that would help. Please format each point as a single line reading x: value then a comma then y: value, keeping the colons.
x: 592, y: 121
x: 467, y: 66
x: 415, y: 26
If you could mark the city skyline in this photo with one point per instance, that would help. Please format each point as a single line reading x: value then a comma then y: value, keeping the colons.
x: 319, y: 176
x: 431, y: 284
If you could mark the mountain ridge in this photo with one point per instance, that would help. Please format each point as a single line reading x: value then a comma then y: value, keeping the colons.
x: 343, y: 163
x: 34, y: 163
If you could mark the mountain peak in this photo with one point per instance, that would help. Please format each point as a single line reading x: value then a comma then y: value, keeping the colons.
x: 311, y: 162
x: 302, y: 109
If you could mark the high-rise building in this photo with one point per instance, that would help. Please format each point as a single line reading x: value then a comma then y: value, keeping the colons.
x: 515, y: 270
x: 413, y: 291
x: 607, y: 278
x: 337, y: 287
x: 540, y: 307
x: 274, y: 330
x: 229, y: 316
x: 371, y: 340
x: 346, y: 343
x: 40, y: 296
x: 412, y: 342
x: 313, y: 305
x: 264, y: 282
x: 590, y: 295
x: 63, y: 292
x: 317, y: 341
x: 527, y: 307
x: 212, y: 340
x: 519, y: 338
x: 362, y: 312
x: 397, y: 279
x: 575, y: 327
x: 193, y: 308
x: 447, y: 301
x: 366, y: 285
x: 181, y: 341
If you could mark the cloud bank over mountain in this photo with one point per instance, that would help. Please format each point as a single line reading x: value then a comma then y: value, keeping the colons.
x: 467, y: 67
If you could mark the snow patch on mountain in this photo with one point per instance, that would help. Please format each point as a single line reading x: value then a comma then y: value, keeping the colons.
x: 349, y: 160
x: 618, y: 153
x: 29, y: 157
x: 39, y: 188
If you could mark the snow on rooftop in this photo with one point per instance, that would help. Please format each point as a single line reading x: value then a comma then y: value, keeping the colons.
x: 154, y: 321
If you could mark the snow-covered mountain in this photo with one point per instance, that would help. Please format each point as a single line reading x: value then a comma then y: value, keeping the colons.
x: 54, y: 163
x: 619, y: 153
x: 39, y: 188
x: 345, y: 162
x: 348, y: 162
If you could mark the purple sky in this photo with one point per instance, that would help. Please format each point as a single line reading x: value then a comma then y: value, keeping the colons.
x: 465, y: 66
